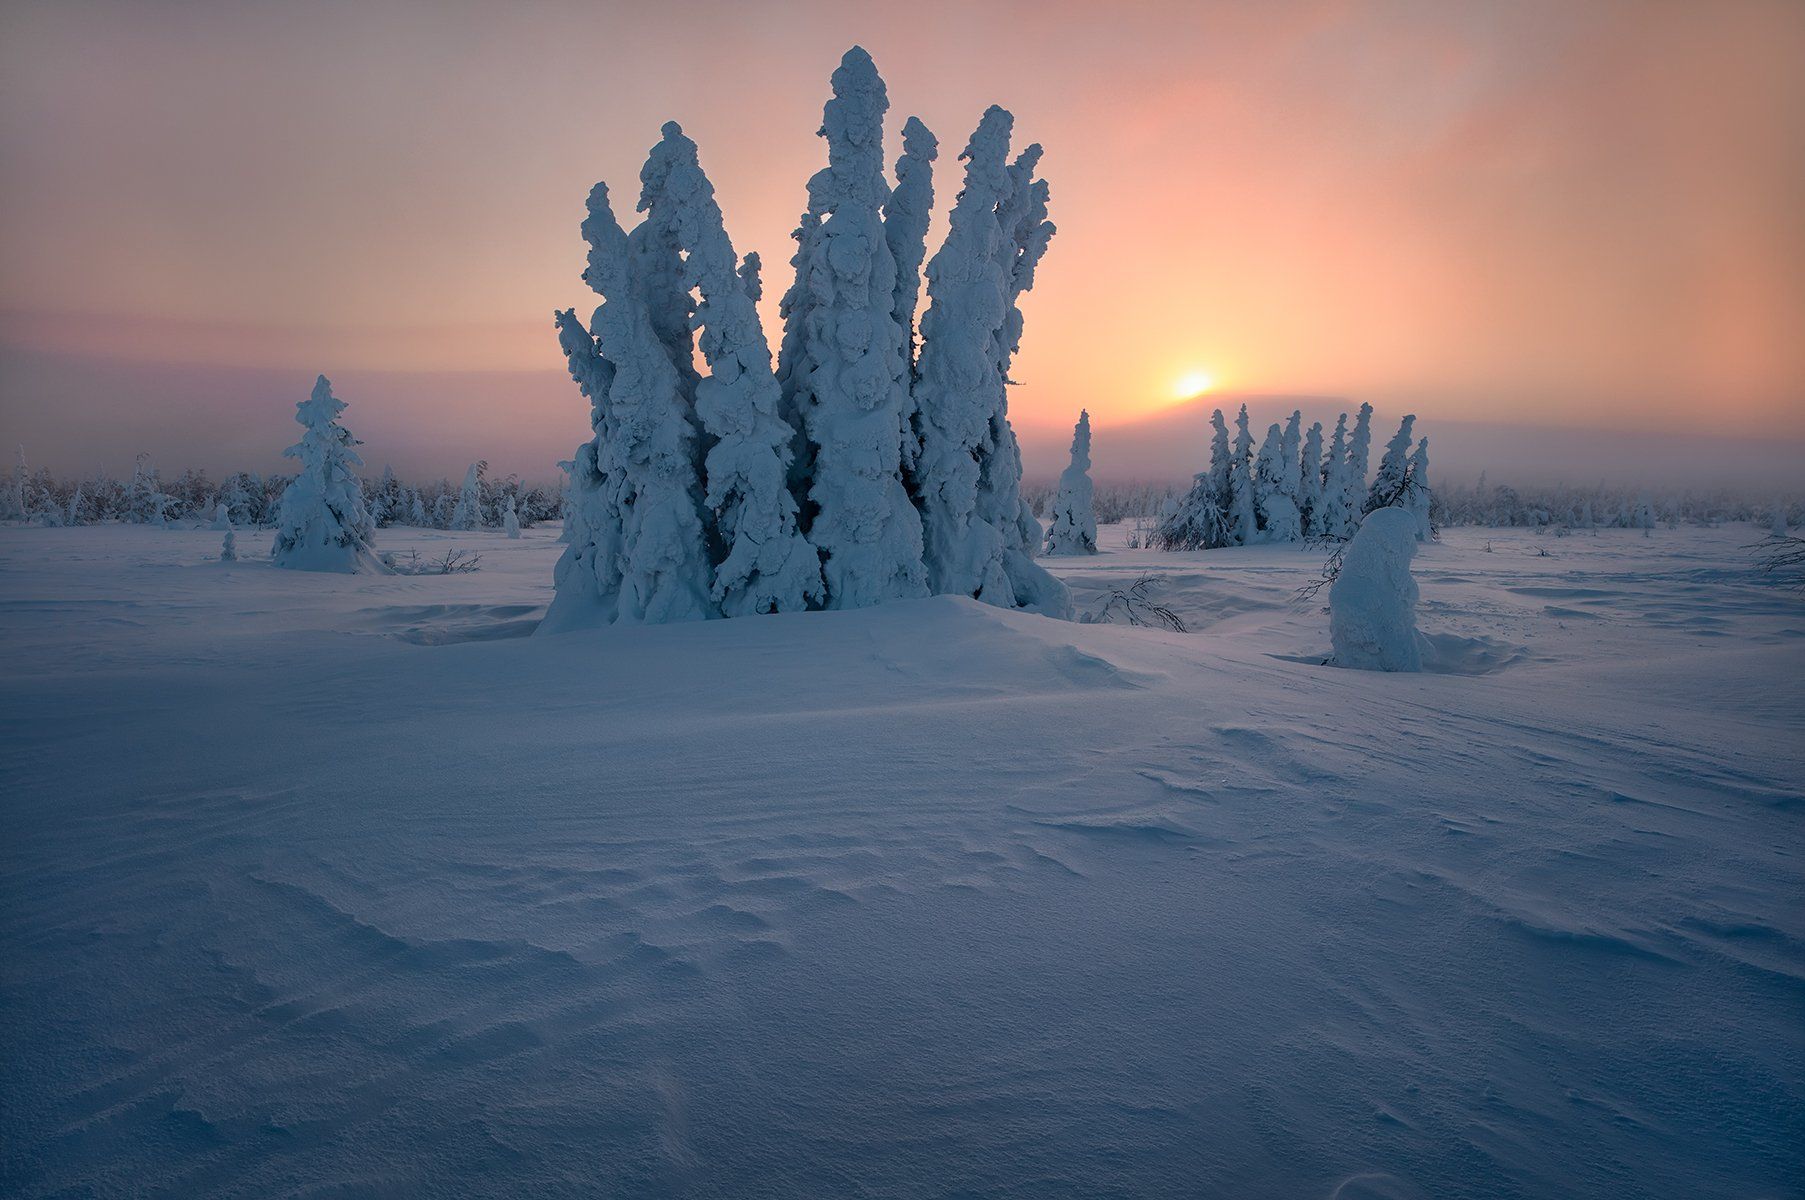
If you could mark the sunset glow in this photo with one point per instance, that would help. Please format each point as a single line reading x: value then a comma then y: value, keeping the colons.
x: 1192, y: 384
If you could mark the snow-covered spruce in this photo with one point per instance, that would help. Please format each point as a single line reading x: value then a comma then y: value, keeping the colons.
x: 906, y: 216
x: 1243, y: 529
x: 228, y: 546
x: 1072, y: 528
x: 1394, y: 470
x: 1276, y: 511
x: 1309, y: 483
x: 1372, y: 603
x: 1419, y: 498
x: 469, y: 511
x: 510, y: 519
x: 959, y: 393
x: 12, y: 504
x: 1335, y: 468
x: 868, y: 532
x: 322, y: 524
x: 1354, y: 467
x: 222, y: 516
x: 767, y: 565
x: 636, y: 551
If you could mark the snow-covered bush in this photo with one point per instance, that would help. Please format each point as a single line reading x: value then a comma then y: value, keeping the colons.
x: 322, y: 524
x: 1072, y: 529
x: 1372, y: 603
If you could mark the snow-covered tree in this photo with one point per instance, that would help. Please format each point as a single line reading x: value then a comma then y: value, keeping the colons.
x: 1221, y: 458
x: 1335, y: 518
x: 1276, y: 511
x: 1372, y: 603
x: 1072, y: 528
x: 868, y: 532
x: 636, y: 551
x: 1309, y: 482
x: 510, y: 519
x: 469, y: 511
x: 1394, y: 469
x: 906, y: 216
x: 766, y: 565
x: 78, y: 507
x: 1242, y: 527
x: 228, y: 545
x: 322, y: 524
x: 12, y: 503
x: 1418, y: 496
x: 1353, y: 475
x: 222, y: 516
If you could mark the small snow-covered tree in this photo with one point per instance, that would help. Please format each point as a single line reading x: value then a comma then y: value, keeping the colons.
x: 1353, y: 476
x: 78, y: 507
x: 322, y: 524
x: 1418, y: 497
x: 469, y: 511
x: 228, y: 545
x: 868, y: 532
x: 766, y: 564
x: 510, y: 519
x: 1309, y: 483
x: 1276, y: 511
x: 1372, y: 603
x: 1394, y: 469
x: 1334, y: 521
x: 1242, y: 525
x: 1072, y: 528
x: 222, y: 516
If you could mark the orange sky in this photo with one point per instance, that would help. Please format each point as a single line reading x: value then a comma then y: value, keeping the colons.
x: 1525, y: 212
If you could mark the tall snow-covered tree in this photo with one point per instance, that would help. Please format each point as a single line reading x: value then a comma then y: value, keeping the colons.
x: 1309, y: 482
x: 766, y: 564
x: 1072, y: 528
x: 960, y: 392
x: 1419, y: 496
x: 321, y: 524
x: 1394, y: 469
x: 469, y: 511
x: 1220, y: 459
x: 636, y: 552
x: 1353, y: 475
x: 1334, y: 520
x: 868, y: 532
x: 1276, y: 511
x: 1242, y: 526
x: 906, y: 215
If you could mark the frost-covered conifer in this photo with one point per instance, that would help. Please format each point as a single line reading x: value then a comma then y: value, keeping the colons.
x: 906, y: 216
x: 1309, y: 483
x: 416, y: 509
x: 636, y: 551
x: 12, y: 504
x: 1372, y: 603
x: 868, y: 532
x: 469, y: 511
x: 1290, y: 483
x: 228, y: 545
x: 1353, y: 477
x: 50, y: 513
x: 222, y: 516
x: 322, y: 524
x: 1072, y: 528
x: 510, y: 519
x: 78, y: 507
x: 1333, y: 521
x: 1394, y: 469
x: 767, y: 565
x: 1220, y: 459
x: 1276, y: 511
x: 1242, y: 528
x: 750, y: 282
x: 1420, y: 497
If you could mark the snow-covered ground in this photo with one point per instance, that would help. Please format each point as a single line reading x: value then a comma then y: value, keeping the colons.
x: 343, y: 886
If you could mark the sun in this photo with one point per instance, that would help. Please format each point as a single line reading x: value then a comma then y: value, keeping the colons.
x: 1192, y: 383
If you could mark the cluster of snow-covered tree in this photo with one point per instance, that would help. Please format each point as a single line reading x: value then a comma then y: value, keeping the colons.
x: 1565, y: 506
x: 252, y: 500
x: 1293, y: 489
x: 873, y: 460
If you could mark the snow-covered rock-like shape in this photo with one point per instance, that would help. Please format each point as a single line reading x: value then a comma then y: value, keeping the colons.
x: 864, y: 524
x: 1072, y: 528
x: 322, y: 524
x: 1372, y: 603
x: 469, y: 511
x: 768, y: 565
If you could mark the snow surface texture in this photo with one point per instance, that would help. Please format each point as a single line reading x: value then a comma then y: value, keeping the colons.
x: 921, y: 900
x: 1372, y: 603
x: 1073, y: 527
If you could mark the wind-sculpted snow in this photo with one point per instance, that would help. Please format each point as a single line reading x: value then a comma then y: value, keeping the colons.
x: 925, y: 899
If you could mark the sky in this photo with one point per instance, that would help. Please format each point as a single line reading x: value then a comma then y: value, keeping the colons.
x: 1528, y: 215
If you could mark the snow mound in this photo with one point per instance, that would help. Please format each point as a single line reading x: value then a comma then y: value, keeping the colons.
x: 1372, y: 603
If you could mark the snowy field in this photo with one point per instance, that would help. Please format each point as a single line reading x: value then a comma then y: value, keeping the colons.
x: 344, y: 886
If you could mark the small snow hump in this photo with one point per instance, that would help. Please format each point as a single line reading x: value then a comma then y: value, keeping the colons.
x: 1372, y: 603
